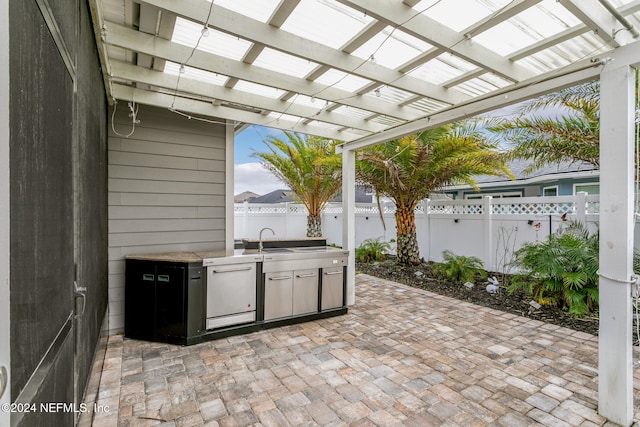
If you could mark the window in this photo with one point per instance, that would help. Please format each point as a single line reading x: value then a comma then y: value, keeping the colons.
x: 476, y: 196
x: 587, y: 188
x: 550, y: 191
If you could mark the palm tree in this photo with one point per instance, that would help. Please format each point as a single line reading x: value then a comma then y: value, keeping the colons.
x: 571, y: 136
x: 409, y: 168
x: 309, y: 166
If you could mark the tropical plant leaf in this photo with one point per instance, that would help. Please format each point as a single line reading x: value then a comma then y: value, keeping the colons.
x: 408, y: 169
x: 563, y: 270
x: 309, y: 166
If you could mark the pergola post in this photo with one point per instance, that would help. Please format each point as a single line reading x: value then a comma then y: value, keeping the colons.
x: 349, y: 219
x: 615, y: 376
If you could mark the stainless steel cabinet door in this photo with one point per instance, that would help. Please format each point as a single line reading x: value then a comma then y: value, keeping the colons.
x: 305, y: 291
x: 231, y: 289
x: 332, y: 288
x: 278, y: 295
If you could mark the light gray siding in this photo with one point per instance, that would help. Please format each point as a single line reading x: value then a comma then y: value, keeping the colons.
x: 166, y: 191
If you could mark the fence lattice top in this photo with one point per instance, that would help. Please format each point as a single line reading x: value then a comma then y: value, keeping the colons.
x: 558, y: 205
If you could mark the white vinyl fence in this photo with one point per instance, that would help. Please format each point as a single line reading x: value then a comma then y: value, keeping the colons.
x: 490, y: 229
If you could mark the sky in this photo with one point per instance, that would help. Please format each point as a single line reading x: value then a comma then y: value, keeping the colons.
x: 249, y: 173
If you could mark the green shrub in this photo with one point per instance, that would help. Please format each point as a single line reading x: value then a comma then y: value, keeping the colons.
x: 459, y: 268
x: 372, y: 250
x: 563, y: 271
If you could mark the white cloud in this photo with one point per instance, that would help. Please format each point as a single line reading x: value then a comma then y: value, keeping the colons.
x: 253, y: 177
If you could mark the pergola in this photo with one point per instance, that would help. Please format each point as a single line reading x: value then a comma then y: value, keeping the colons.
x: 367, y: 71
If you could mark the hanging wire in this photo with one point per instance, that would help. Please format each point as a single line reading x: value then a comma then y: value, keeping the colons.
x: 133, y: 107
x: 185, y: 63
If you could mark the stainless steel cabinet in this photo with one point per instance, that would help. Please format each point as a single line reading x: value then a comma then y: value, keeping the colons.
x: 332, y: 287
x: 305, y: 291
x: 278, y: 294
x: 290, y: 293
x: 231, y: 294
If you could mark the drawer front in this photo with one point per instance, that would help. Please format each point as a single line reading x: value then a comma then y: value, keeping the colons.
x: 305, y: 291
x: 332, y: 288
x: 231, y: 289
x: 278, y: 294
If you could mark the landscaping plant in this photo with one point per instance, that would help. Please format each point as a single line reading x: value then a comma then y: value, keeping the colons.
x: 309, y: 166
x: 458, y: 268
x: 372, y: 250
x: 562, y: 271
x: 408, y: 169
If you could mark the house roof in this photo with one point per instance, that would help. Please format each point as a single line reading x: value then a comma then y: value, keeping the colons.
x: 358, y: 71
x: 519, y: 166
x: 285, y: 195
x: 547, y: 173
x: 245, y: 196
x: 276, y: 196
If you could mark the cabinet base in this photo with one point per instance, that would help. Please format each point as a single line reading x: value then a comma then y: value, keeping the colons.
x: 246, y: 328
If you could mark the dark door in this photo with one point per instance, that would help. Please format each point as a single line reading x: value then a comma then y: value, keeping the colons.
x: 140, y: 297
x: 57, y: 204
x: 170, y: 302
x: 41, y: 214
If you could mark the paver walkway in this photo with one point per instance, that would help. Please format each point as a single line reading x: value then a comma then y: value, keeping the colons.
x: 401, y: 356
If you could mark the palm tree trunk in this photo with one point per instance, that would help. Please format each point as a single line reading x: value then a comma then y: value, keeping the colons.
x: 314, y: 226
x: 407, y: 242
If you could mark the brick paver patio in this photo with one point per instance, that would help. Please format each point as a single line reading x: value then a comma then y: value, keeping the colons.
x: 401, y: 356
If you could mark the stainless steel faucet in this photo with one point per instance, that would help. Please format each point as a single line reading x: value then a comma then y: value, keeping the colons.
x: 260, y: 240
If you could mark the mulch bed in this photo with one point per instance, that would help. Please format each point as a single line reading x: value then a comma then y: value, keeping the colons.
x: 421, y: 276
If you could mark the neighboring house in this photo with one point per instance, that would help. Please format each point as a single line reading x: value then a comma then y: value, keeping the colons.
x: 245, y: 196
x: 285, y: 195
x: 277, y: 196
x: 558, y: 180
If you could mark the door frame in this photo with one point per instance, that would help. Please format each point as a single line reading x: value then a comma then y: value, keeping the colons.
x: 5, y: 331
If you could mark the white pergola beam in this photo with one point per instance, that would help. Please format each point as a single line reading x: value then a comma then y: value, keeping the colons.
x: 129, y: 39
x: 349, y: 220
x: 615, y: 361
x: 509, y: 11
x: 194, y: 87
x: 208, y: 111
x: 518, y: 93
x: 599, y: 20
x: 568, y: 34
x: 255, y: 31
x: 571, y: 75
x: 282, y: 12
x: 549, y: 42
x: 441, y: 36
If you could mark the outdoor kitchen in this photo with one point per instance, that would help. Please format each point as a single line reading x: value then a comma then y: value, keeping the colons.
x: 190, y: 297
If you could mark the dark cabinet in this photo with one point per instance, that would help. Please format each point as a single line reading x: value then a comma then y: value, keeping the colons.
x: 164, y: 301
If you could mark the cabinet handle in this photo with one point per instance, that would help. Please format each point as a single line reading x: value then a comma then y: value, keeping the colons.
x: 280, y: 278
x: 148, y: 277
x: 163, y: 277
x: 306, y: 275
x: 331, y: 273
x: 229, y: 270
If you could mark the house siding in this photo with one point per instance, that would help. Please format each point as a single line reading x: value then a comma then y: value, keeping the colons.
x: 166, y: 191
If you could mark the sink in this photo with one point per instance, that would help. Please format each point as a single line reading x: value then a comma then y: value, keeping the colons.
x: 275, y: 250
